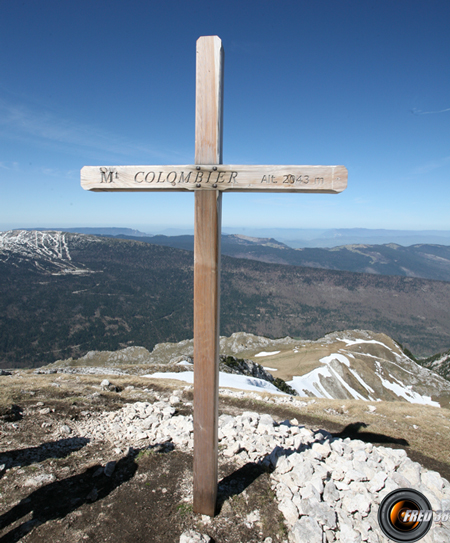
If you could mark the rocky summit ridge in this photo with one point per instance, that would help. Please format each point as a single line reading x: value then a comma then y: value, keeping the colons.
x: 327, y: 488
x: 351, y: 364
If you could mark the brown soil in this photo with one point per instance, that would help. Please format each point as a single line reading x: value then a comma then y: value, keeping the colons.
x: 148, y: 498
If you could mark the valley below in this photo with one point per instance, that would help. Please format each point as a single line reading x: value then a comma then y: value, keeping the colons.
x: 66, y: 294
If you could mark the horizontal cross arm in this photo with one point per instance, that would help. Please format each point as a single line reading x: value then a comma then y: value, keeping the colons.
x: 229, y: 178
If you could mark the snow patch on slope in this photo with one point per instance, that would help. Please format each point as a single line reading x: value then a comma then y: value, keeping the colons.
x: 335, y: 356
x: 326, y: 382
x: 228, y: 380
x: 350, y: 342
x: 312, y: 383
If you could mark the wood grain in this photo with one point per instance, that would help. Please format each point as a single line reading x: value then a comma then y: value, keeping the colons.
x: 209, y: 100
x: 223, y: 177
x: 209, y: 178
x: 207, y: 234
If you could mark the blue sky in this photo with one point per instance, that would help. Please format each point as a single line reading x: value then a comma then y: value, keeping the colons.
x: 361, y: 83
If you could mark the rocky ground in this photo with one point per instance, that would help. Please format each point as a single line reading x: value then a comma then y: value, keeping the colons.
x: 82, y: 460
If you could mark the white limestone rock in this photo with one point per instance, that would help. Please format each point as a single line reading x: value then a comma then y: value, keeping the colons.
x: 433, y: 481
x: 328, y: 489
x: 65, y: 429
x: 348, y: 535
x: 191, y: 536
x: 306, y: 529
x: 441, y: 534
x: 336, y: 446
x: 289, y: 510
x: 330, y: 493
x: 40, y: 480
x: 322, y: 512
x: 304, y: 471
x: 309, y: 491
x: 377, y: 483
x: 323, y: 449
x: 354, y: 475
x: 357, y: 502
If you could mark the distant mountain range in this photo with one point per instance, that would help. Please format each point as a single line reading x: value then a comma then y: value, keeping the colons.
x: 334, y: 237
x: 95, y: 231
x: 293, y: 237
x: 64, y: 294
x: 349, y: 236
x: 426, y: 261
x: 429, y: 261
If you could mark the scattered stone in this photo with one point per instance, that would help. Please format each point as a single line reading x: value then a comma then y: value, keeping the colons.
x: 66, y: 429
x: 93, y: 495
x: 106, y: 385
x: 330, y: 493
x: 378, y: 482
x: 109, y: 468
x: 307, y: 530
x: 194, y: 537
x: 252, y: 517
x: 289, y: 510
x: 328, y: 489
x: 348, y: 534
x: 40, y: 480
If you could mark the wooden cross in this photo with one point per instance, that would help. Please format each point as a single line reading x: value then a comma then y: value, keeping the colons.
x: 209, y: 178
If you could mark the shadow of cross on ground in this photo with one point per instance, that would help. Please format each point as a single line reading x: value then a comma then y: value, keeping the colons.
x: 51, y: 449
x: 353, y: 432
x: 236, y: 482
x: 56, y: 500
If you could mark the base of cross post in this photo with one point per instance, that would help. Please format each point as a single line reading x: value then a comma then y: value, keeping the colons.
x: 208, y: 206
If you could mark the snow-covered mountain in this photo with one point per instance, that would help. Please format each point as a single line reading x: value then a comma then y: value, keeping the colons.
x: 47, y: 252
x: 366, y: 366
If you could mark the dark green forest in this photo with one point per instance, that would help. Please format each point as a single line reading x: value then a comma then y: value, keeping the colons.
x: 135, y: 293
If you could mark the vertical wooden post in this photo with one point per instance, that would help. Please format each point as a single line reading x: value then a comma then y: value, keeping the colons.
x: 207, y: 233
